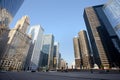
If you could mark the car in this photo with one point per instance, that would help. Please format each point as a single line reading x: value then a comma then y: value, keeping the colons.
x: 33, y: 71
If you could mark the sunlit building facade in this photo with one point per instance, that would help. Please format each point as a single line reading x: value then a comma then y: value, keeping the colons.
x: 84, y: 49
x: 36, y: 33
x: 17, y: 46
x: 63, y: 65
x: 78, y: 59
x: 8, y: 9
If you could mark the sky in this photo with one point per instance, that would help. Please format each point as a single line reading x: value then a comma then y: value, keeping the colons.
x: 62, y: 18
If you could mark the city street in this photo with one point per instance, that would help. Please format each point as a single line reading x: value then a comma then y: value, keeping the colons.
x: 57, y: 76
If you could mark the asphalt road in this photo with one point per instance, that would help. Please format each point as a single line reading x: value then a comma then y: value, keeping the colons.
x: 57, y: 76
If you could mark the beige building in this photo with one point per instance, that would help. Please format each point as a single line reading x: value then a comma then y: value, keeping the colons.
x: 84, y: 49
x: 8, y: 9
x: 63, y: 64
x: 96, y: 30
x: 17, y: 46
x: 77, y: 52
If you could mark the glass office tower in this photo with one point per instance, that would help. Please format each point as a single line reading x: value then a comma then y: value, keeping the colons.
x: 112, y: 11
x: 48, y: 46
x: 36, y: 33
x: 8, y: 9
x: 103, y: 38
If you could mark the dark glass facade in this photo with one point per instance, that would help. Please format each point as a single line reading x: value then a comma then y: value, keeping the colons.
x: 101, y: 36
x: 12, y: 6
x: 8, y: 9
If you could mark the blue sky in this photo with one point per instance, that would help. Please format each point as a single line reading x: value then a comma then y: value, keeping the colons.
x: 62, y: 18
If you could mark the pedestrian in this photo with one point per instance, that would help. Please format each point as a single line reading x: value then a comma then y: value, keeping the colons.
x: 91, y: 70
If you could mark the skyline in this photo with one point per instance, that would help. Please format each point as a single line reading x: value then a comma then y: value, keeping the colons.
x: 57, y: 17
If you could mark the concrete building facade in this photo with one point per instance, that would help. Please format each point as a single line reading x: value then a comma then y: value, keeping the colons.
x: 17, y: 48
x: 101, y: 37
x: 78, y: 59
x: 84, y: 49
x: 96, y: 42
x: 8, y: 9
x: 63, y: 65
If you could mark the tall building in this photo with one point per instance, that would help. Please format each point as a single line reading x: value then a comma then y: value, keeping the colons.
x: 56, y: 55
x: 101, y: 36
x: 43, y: 62
x: 48, y: 46
x: 78, y: 59
x: 84, y: 49
x: 59, y: 60
x: 8, y: 9
x: 36, y: 33
x: 17, y: 48
x: 63, y: 65
x: 28, y: 58
x: 112, y: 11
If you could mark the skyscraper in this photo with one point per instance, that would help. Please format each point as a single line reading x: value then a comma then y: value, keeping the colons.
x: 63, y: 65
x: 101, y: 34
x: 56, y: 55
x: 59, y: 59
x: 84, y: 49
x: 112, y: 11
x: 8, y: 9
x: 18, y: 44
x: 48, y: 46
x: 36, y: 33
x: 78, y: 58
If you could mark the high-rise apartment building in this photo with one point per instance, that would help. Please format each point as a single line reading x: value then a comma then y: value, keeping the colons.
x: 17, y: 46
x: 47, y: 47
x: 112, y: 11
x: 84, y: 49
x: 36, y: 33
x: 78, y: 59
x: 8, y: 9
x: 101, y: 36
